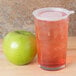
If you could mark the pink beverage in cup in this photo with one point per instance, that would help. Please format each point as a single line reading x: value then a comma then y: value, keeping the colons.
x: 51, y: 35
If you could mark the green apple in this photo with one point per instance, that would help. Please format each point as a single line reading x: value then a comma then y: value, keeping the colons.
x: 19, y: 47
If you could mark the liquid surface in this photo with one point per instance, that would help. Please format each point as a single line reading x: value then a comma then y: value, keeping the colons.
x: 52, y: 15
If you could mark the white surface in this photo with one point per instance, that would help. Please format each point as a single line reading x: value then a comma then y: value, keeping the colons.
x: 32, y: 69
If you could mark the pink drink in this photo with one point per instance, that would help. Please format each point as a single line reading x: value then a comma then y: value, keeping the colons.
x: 51, y: 36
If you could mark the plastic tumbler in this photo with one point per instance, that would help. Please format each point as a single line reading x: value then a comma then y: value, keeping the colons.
x: 51, y: 36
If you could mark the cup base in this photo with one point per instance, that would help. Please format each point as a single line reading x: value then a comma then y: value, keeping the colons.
x: 52, y: 69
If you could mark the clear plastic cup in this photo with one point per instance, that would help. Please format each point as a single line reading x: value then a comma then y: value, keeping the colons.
x: 51, y: 36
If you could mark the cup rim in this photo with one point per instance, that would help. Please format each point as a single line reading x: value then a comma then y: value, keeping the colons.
x: 37, y: 11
